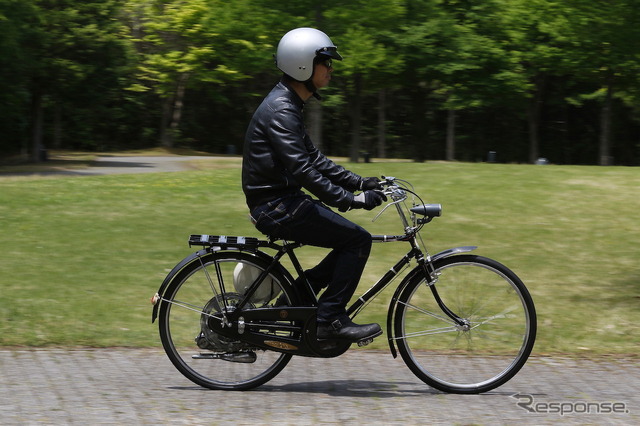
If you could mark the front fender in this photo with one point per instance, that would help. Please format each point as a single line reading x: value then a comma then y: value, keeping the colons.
x: 407, y: 280
x: 452, y: 251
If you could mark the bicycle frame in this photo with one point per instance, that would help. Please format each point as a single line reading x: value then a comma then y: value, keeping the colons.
x: 304, y: 314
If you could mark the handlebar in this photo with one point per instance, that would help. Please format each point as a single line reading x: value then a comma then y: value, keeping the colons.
x: 393, y: 189
x: 399, y: 190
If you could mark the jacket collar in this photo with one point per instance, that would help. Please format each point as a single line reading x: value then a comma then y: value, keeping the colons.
x: 295, y: 98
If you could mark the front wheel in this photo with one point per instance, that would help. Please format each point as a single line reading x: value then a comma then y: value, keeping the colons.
x: 208, y: 286
x: 493, y: 340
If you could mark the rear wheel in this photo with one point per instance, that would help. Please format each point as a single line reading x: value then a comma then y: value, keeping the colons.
x: 202, y: 290
x: 492, y: 344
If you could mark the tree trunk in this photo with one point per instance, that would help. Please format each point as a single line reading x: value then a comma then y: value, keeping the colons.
x: 420, y: 126
x: 356, y: 118
x: 534, y: 118
x: 166, y: 140
x: 172, y: 113
x: 57, y: 126
x: 534, y: 143
x: 178, y: 104
x: 37, y: 117
x: 605, y: 125
x: 451, y: 135
x: 382, y: 130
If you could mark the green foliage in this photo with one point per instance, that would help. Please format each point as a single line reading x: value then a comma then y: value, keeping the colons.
x: 68, y: 55
x: 363, y: 34
x: 16, y: 18
x: 107, y: 74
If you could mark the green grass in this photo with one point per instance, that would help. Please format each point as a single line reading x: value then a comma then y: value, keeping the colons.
x: 81, y: 256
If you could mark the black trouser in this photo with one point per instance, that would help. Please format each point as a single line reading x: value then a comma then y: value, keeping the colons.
x: 302, y: 219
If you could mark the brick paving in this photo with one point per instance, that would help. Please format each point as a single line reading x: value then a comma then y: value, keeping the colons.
x: 141, y: 386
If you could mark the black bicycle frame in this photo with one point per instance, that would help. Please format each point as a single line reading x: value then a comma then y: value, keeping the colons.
x: 271, y: 318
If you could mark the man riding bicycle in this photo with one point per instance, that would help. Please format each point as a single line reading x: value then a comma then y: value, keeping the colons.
x: 280, y: 160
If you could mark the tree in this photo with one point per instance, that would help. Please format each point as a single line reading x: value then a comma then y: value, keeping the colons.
x: 456, y: 78
x: 17, y: 19
x: 192, y: 44
x: 534, y: 35
x: 452, y: 64
x: 371, y: 60
x: 169, y: 36
x: 69, y: 54
x: 606, y: 36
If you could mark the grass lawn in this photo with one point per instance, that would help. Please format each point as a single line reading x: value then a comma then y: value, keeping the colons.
x: 81, y: 256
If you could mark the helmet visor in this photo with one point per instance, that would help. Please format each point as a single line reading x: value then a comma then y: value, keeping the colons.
x: 331, y: 51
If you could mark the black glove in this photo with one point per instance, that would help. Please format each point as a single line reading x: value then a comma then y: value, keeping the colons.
x: 370, y: 183
x: 368, y: 200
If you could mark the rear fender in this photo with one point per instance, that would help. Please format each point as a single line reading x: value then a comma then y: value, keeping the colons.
x: 156, y: 300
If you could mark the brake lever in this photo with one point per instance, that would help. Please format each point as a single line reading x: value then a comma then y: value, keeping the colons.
x: 390, y: 194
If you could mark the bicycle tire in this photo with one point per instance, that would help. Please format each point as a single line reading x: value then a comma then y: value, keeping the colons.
x: 483, y: 354
x: 201, y: 355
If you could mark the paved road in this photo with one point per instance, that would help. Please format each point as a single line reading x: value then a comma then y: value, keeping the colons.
x: 145, y: 164
x: 107, y: 165
x: 132, y: 386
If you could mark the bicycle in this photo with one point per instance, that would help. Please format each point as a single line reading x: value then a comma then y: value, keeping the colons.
x: 231, y: 316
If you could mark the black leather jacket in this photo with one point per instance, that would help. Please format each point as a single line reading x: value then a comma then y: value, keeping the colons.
x: 280, y: 159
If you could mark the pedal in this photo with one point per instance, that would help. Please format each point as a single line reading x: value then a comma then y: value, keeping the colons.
x: 365, y: 342
x: 240, y: 357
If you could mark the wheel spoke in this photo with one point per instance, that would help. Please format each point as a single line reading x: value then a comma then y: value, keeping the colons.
x: 502, y: 315
x: 432, y: 314
x: 193, y: 308
x: 428, y: 332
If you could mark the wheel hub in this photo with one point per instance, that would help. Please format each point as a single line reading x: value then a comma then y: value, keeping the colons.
x: 209, y: 339
x: 465, y: 326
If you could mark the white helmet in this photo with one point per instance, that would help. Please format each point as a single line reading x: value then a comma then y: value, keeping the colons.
x: 298, y: 48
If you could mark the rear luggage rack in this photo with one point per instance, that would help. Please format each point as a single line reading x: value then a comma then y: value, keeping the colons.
x: 225, y: 242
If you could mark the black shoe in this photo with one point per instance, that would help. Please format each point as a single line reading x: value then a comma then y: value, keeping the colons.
x: 348, y: 330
